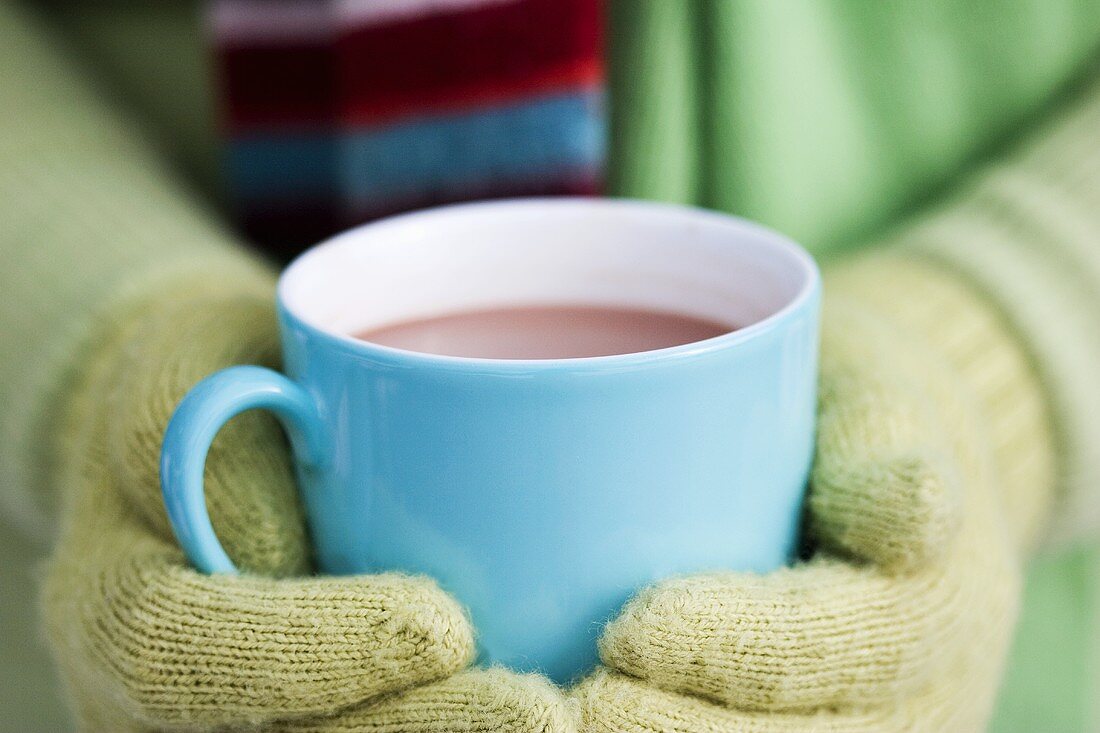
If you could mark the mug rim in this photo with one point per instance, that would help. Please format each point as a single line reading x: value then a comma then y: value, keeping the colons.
x: 811, y: 286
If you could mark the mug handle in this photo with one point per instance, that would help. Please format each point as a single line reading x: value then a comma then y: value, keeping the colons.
x: 198, y: 418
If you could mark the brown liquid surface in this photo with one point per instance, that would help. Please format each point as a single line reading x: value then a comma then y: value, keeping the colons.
x: 545, y: 332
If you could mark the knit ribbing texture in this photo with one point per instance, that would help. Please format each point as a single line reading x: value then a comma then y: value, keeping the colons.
x: 1030, y: 227
x: 91, y: 221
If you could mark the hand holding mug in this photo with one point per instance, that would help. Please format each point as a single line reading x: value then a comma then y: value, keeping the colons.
x: 541, y: 492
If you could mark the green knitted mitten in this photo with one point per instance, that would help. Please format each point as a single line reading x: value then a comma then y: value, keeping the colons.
x: 929, y: 418
x: 957, y: 393
x: 146, y: 643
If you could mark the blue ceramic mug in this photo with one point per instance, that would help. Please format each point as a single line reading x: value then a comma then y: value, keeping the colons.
x: 541, y: 493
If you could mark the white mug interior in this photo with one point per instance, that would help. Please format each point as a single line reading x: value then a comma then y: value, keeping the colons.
x: 568, y: 251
